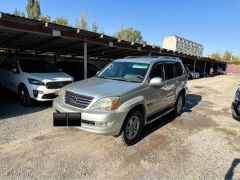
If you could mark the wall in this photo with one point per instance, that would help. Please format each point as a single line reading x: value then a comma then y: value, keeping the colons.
x: 233, y: 68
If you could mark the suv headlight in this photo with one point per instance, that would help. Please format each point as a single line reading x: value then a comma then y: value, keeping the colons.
x: 35, y: 82
x: 61, y: 94
x: 106, y: 104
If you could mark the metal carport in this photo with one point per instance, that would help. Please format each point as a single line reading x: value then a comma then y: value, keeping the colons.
x: 20, y: 35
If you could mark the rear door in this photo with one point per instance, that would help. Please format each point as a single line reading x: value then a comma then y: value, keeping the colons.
x: 170, y: 83
x: 181, y: 76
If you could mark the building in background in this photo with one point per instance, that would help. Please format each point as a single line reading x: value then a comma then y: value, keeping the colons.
x: 182, y: 45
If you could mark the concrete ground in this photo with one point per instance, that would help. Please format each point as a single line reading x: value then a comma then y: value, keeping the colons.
x: 203, y: 143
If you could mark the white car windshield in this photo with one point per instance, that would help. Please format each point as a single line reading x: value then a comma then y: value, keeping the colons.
x: 37, y: 66
x: 125, y: 71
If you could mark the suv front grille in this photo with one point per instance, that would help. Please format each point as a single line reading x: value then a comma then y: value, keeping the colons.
x: 57, y: 84
x: 77, y: 100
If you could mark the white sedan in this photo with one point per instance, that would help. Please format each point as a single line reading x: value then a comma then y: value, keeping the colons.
x: 33, y: 79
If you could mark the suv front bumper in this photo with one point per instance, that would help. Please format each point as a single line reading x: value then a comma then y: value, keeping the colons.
x: 99, y: 122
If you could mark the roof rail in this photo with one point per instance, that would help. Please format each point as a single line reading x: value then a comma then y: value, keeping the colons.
x: 169, y: 57
x: 141, y: 56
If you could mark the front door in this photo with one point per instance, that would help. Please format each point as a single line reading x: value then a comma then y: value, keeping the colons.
x: 156, y: 94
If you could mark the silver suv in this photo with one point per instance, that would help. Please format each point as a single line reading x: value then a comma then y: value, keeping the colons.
x: 123, y: 97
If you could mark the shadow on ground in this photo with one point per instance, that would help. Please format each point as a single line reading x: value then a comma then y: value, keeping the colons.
x: 230, y: 172
x: 192, y: 100
x: 10, y: 105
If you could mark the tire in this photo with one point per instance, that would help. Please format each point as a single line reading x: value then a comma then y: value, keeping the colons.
x: 24, y: 96
x: 132, y: 128
x: 179, y: 105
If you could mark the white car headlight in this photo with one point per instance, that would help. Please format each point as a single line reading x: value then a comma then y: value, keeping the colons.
x: 35, y: 82
x: 61, y: 94
x: 106, y: 104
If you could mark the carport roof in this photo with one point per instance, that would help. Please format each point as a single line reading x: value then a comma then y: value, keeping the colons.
x: 23, y: 34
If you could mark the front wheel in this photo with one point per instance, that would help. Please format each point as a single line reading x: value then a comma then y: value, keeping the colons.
x: 24, y: 96
x: 132, y: 128
x: 179, y: 105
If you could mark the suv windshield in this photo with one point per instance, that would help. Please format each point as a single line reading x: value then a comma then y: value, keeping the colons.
x: 125, y: 71
x: 37, y: 66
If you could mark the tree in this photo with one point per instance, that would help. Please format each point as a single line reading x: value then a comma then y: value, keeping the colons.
x: 95, y: 27
x: 17, y: 12
x: 227, y: 56
x: 61, y: 21
x: 45, y: 19
x: 82, y: 23
x: 216, y: 55
x: 129, y: 34
x: 33, y: 9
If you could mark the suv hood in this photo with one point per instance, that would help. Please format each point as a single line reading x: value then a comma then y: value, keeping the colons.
x: 46, y: 77
x: 99, y: 87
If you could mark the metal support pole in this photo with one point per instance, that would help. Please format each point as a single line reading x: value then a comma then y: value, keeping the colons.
x: 194, y: 66
x: 150, y: 53
x: 85, y: 59
x: 218, y: 64
x: 55, y: 58
x: 205, y: 65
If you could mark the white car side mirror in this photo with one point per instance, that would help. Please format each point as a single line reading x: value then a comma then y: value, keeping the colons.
x: 14, y: 70
x: 156, y: 81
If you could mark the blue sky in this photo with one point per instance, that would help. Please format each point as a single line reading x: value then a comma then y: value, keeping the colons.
x: 213, y: 23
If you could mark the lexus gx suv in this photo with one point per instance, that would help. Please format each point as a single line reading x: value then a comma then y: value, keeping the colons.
x: 123, y: 97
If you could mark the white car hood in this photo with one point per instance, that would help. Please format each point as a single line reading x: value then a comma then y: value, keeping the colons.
x: 46, y: 77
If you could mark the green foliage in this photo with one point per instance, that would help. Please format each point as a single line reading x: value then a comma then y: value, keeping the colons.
x: 33, y: 9
x: 216, y: 55
x: 61, y: 21
x: 17, y: 12
x: 45, y: 19
x: 129, y: 34
x: 227, y: 56
x: 82, y: 23
x: 95, y: 27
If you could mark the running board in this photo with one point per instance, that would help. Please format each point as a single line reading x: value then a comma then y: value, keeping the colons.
x: 159, y: 114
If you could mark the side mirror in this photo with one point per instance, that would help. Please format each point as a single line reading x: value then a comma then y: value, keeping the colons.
x: 14, y: 70
x: 156, y: 81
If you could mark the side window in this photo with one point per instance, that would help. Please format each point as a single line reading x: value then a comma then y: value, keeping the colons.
x: 178, y: 68
x: 169, y: 71
x: 157, y: 71
x: 10, y: 65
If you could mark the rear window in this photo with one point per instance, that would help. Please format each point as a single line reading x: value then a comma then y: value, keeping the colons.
x: 178, y: 68
x: 169, y: 71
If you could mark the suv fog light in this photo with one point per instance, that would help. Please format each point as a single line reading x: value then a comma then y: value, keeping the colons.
x: 103, y: 124
x: 35, y: 93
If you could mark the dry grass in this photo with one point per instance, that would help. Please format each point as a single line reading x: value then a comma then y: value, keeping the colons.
x: 228, y: 132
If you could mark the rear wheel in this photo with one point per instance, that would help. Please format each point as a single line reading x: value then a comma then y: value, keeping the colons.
x: 179, y: 105
x: 24, y: 96
x: 132, y: 128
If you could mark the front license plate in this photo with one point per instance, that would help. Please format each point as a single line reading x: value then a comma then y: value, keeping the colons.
x: 66, y: 119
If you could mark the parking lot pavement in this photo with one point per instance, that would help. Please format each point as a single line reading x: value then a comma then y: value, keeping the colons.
x: 203, y: 143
